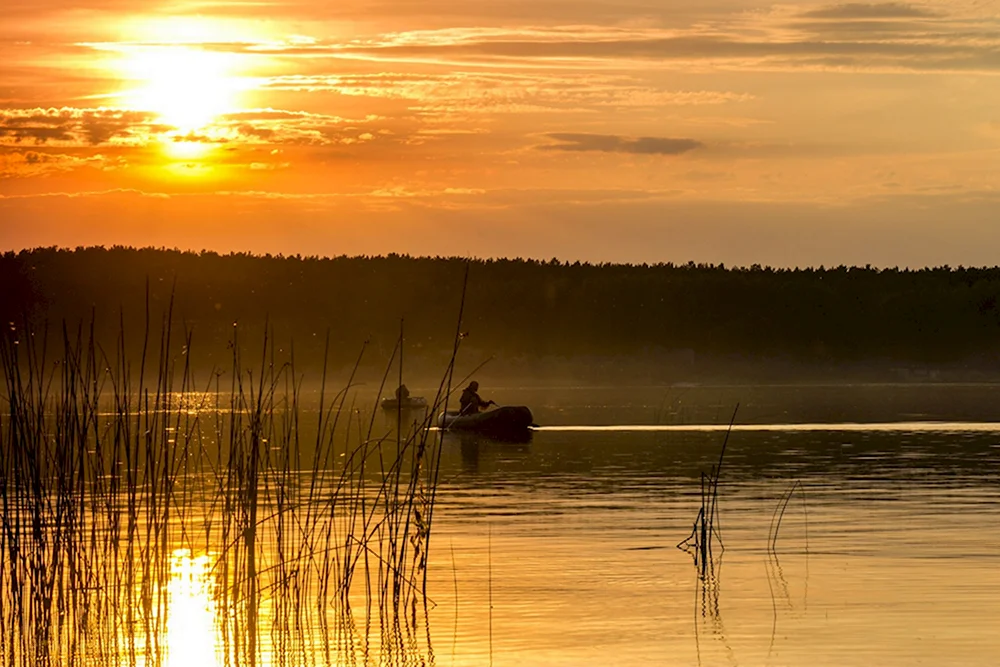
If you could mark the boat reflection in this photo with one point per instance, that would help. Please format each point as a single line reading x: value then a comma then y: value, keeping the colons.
x: 406, y: 421
x: 472, y: 444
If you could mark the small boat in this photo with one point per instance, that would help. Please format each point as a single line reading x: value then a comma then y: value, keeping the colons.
x: 409, y: 403
x: 504, y: 421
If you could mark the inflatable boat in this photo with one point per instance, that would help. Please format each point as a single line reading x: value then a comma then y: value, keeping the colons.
x: 503, y: 421
x: 411, y: 403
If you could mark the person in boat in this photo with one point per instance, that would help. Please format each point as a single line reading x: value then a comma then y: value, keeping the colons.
x: 402, y: 394
x: 471, y: 403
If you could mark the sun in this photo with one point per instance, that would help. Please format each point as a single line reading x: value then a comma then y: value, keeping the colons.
x: 184, y: 75
x: 185, y: 150
x: 187, y: 87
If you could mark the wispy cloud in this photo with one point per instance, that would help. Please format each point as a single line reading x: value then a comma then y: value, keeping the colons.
x: 864, y: 10
x: 882, y: 23
x: 74, y: 126
x: 888, y: 36
x: 930, y: 53
x: 26, y: 164
x: 83, y: 127
x: 273, y: 126
x: 609, y: 143
x: 499, y: 92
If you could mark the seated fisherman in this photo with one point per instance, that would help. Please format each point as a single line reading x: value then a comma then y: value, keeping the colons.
x: 470, y: 402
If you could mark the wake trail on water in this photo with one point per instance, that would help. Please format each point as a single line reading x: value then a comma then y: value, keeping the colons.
x: 907, y: 427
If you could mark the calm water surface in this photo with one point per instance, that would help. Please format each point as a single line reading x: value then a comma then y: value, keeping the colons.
x: 562, y: 551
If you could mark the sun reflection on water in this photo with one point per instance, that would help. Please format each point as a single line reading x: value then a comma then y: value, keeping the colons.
x: 191, y: 624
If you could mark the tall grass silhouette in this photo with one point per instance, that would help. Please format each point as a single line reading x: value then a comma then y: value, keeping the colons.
x: 311, y: 529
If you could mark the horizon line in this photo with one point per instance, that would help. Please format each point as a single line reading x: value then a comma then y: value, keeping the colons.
x: 553, y: 261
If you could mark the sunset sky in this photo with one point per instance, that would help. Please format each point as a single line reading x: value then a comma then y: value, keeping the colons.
x: 602, y: 130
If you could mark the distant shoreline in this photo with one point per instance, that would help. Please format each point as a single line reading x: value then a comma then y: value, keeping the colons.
x: 535, y: 321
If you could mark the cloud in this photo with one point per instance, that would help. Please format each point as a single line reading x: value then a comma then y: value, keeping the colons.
x: 76, y: 126
x: 282, y: 114
x: 884, y: 22
x: 268, y: 166
x: 492, y: 93
x: 24, y: 164
x: 685, y: 48
x: 277, y: 126
x: 861, y: 30
x: 610, y: 143
x: 873, y: 37
x: 81, y: 127
x: 863, y: 10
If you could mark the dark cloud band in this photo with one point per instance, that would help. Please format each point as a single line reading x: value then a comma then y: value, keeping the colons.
x: 610, y: 143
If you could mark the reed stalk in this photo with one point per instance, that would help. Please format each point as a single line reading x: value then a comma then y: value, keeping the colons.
x: 114, y: 470
x: 706, y: 531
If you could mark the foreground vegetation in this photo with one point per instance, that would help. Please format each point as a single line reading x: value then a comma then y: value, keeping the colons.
x: 523, y: 311
x: 128, y: 482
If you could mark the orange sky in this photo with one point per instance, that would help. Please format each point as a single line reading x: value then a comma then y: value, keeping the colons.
x: 650, y: 130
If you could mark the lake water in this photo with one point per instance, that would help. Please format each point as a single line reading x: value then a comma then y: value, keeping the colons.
x: 562, y: 551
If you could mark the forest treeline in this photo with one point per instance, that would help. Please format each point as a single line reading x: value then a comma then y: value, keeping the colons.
x: 525, y: 313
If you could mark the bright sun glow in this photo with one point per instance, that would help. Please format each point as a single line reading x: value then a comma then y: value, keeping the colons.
x: 191, y: 621
x: 186, y: 150
x: 186, y: 87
